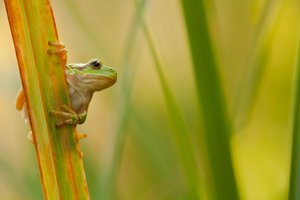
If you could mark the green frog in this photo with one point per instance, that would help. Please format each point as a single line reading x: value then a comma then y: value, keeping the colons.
x: 83, y: 80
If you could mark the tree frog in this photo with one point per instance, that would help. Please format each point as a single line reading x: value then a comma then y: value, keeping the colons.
x: 83, y: 80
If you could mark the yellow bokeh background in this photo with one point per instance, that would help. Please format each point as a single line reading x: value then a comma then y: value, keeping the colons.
x: 148, y: 165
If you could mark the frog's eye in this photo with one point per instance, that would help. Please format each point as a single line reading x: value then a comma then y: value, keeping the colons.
x: 96, y: 64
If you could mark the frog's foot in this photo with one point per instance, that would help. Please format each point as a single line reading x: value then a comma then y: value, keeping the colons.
x: 68, y: 116
x: 29, y: 137
x: 56, y: 48
x: 56, y: 44
x: 81, y: 135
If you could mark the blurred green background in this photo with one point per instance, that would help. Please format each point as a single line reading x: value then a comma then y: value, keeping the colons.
x: 131, y: 150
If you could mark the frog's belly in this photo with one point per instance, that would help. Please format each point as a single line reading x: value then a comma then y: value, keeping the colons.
x: 79, y: 100
x: 76, y: 100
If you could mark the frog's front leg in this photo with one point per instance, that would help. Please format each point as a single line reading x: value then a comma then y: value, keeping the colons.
x: 68, y: 116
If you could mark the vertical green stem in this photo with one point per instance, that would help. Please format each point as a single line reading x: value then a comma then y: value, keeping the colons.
x: 215, y: 120
x: 111, y: 170
x: 43, y: 80
x: 294, y: 192
x: 181, y: 133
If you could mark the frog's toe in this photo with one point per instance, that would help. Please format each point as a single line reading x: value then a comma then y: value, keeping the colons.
x: 70, y: 121
x: 65, y: 117
x: 57, y: 49
x: 60, y: 114
x: 59, y: 123
x: 56, y: 44
x: 68, y: 109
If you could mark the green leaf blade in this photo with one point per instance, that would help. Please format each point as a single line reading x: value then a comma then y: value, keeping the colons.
x: 215, y: 120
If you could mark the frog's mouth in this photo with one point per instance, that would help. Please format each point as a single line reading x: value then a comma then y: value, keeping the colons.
x: 109, y: 73
x: 108, y: 81
x: 99, y: 82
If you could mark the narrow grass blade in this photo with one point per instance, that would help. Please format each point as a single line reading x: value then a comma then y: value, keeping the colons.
x: 294, y: 192
x: 215, y: 120
x: 111, y: 169
x: 43, y: 79
x: 178, y: 125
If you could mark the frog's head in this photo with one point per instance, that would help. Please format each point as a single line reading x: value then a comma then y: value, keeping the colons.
x: 97, y: 76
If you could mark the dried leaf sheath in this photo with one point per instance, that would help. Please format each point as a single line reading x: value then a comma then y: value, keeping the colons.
x: 43, y: 79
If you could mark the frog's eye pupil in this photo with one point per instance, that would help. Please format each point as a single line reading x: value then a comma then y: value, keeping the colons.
x: 96, y: 64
